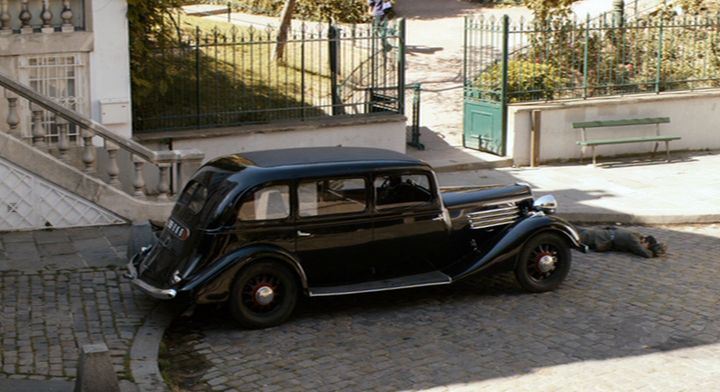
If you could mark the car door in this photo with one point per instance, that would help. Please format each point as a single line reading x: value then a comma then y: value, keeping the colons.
x: 409, y: 232
x: 334, y: 230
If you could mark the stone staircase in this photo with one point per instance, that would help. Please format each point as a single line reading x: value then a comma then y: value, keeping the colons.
x: 64, y: 170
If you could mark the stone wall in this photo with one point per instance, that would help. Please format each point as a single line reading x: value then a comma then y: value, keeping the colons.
x: 694, y: 116
x: 382, y: 131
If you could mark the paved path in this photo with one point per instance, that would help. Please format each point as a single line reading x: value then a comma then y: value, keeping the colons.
x: 435, y: 31
x: 619, y: 323
x: 61, y: 289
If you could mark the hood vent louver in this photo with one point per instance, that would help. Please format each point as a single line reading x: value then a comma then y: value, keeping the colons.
x: 493, y: 216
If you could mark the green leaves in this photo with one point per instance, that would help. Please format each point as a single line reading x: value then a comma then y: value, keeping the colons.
x: 150, y: 23
x: 527, y: 81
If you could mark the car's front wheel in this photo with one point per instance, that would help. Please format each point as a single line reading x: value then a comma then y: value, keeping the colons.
x: 263, y: 295
x: 543, y: 263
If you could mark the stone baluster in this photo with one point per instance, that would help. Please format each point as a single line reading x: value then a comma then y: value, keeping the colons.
x: 112, y: 170
x: 164, y: 182
x: 25, y: 17
x: 5, y: 18
x: 88, y: 155
x: 13, y: 118
x: 63, y: 144
x: 46, y: 17
x: 139, y: 181
x: 67, y: 15
x: 39, y: 132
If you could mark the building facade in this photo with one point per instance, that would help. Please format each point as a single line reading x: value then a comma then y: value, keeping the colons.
x: 73, y: 51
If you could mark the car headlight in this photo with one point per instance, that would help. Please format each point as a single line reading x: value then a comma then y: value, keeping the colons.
x: 546, y: 204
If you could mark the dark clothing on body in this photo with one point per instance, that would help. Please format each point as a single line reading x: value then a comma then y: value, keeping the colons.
x: 614, y: 238
x: 377, y: 8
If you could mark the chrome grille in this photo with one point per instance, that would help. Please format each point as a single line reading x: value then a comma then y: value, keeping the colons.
x: 498, y: 215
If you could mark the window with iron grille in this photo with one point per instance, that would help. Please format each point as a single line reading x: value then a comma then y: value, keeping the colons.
x: 60, y: 78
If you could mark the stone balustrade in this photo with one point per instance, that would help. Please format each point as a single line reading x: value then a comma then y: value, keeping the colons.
x: 171, y: 168
x: 41, y: 16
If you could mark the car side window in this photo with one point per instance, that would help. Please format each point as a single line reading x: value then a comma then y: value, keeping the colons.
x: 331, y: 196
x: 402, y: 190
x: 270, y: 202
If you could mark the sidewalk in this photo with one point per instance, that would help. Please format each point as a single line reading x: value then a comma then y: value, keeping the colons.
x: 629, y: 191
x: 62, y: 289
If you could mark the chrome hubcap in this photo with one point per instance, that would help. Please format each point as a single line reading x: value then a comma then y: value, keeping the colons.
x: 264, y: 295
x: 547, y: 263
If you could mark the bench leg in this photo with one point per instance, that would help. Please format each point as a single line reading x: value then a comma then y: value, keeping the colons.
x: 654, y: 150
x: 667, y: 151
x: 582, y: 154
x: 594, y: 158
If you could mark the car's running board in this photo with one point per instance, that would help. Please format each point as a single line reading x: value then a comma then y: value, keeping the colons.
x: 434, y: 278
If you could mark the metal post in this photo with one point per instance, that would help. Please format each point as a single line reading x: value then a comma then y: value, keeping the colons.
x: 658, y: 73
x: 415, y: 126
x: 535, y: 118
x: 619, y: 12
x: 334, y: 57
x: 229, y: 5
x: 401, y: 67
x: 197, y: 76
x: 465, y: 51
x: 302, y: 72
x: 585, y: 56
x: 504, y: 86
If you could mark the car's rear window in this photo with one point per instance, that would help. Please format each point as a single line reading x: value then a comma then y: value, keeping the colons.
x: 194, y: 197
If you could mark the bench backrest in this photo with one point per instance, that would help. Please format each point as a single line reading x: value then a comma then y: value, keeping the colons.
x: 622, y: 123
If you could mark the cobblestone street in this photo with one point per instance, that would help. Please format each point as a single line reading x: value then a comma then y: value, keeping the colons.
x: 619, y: 322
x: 62, y: 289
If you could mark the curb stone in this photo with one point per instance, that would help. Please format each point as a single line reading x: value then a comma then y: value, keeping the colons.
x: 641, y: 220
x: 145, y: 349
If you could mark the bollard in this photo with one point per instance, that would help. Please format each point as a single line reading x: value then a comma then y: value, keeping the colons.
x: 95, y: 370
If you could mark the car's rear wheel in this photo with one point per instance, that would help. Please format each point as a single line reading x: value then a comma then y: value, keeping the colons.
x: 543, y: 263
x: 263, y: 295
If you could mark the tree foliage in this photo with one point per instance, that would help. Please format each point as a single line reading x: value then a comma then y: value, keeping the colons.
x: 543, y: 9
x: 150, y: 23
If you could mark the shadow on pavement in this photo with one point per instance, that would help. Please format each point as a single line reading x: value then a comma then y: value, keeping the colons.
x: 611, y: 306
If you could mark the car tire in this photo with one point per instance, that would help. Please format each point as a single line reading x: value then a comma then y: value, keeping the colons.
x: 263, y: 295
x: 543, y: 263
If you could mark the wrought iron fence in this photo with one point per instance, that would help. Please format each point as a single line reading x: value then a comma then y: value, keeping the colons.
x: 562, y: 59
x: 230, y: 77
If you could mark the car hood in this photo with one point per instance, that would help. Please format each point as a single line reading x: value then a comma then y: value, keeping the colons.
x: 477, y: 198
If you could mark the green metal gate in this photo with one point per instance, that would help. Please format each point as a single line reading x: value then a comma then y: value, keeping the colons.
x: 485, y: 75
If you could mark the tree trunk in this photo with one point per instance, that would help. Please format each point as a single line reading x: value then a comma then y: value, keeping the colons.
x: 282, y: 34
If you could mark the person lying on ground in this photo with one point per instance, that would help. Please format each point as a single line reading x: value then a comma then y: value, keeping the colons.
x: 622, y: 240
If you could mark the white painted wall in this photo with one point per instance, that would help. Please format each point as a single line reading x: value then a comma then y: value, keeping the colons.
x: 388, y: 135
x: 694, y: 116
x: 110, y: 60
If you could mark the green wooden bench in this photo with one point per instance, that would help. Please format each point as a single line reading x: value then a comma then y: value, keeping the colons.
x: 657, y: 138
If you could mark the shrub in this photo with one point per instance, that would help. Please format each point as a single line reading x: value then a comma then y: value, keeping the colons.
x: 527, y: 81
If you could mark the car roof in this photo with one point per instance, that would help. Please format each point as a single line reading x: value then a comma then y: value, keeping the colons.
x: 323, y: 155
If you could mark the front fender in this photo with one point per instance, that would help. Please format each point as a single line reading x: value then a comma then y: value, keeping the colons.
x: 512, y: 243
x: 213, y: 283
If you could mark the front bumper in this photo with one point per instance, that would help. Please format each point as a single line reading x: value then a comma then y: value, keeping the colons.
x: 149, y: 289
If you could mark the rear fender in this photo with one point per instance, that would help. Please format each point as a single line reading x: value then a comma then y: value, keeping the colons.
x: 213, y: 284
x: 512, y: 243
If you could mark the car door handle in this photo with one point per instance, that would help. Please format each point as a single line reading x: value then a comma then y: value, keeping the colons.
x: 301, y: 233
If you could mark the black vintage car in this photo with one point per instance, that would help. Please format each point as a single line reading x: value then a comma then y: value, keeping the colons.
x: 259, y: 229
